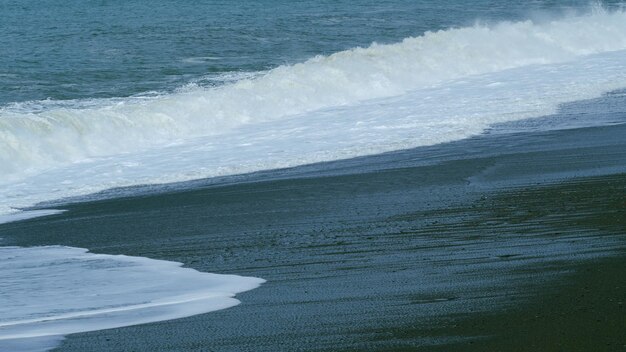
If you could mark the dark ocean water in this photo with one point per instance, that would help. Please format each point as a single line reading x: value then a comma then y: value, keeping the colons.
x: 54, y: 49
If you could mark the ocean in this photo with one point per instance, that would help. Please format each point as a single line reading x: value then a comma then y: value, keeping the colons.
x: 107, y: 99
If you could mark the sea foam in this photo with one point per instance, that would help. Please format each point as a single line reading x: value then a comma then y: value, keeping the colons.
x: 438, y: 87
x: 48, y: 292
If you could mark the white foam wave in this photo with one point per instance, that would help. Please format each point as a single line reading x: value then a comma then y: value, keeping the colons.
x: 448, y: 112
x: 48, y: 292
x: 31, y: 142
x: 439, y: 87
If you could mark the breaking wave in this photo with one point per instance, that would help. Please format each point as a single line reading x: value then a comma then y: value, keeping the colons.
x: 32, y: 140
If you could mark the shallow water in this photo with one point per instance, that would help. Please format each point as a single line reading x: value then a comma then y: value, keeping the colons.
x: 50, y: 291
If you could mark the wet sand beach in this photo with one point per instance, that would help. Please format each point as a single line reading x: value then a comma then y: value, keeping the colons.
x: 505, y: 241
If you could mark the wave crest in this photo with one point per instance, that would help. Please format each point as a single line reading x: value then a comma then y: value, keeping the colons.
x: 31, y: 141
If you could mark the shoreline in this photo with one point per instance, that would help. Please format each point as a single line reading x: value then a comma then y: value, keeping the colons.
x: 537, y: 134
x: 380, y: 253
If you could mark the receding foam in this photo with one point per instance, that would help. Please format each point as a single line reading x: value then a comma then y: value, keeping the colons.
x: 49, y: 292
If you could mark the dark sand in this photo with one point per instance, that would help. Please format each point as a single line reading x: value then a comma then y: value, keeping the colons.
x: 504, y: 242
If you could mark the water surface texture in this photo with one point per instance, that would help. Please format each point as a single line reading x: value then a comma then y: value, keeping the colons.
x: 362, y: 79
x: 61, y: 50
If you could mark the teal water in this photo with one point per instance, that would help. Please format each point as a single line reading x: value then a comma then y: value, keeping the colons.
x: 104, y: 94
x: 60, y: 50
